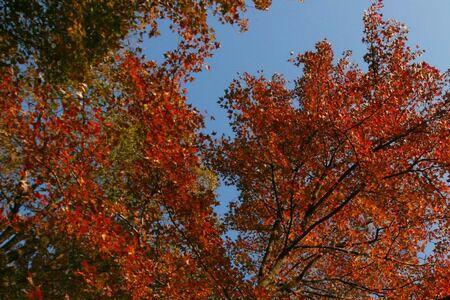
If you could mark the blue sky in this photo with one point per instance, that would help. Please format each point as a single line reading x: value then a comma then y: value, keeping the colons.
x: 293, y: 26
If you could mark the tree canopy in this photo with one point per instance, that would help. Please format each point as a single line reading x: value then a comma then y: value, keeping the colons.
x: 108, y: 184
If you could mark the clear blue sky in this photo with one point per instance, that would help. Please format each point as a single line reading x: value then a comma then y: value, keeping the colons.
x: 293, y: 26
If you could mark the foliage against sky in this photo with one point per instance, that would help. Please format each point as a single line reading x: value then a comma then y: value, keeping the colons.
x: 108, y: 187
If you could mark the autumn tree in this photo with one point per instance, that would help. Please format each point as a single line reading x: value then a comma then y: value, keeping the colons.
x: 343, y: 178
x: 107, y: 186
x: 103, y: 193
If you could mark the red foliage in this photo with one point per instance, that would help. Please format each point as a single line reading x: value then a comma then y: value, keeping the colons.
x: 343, y: 178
